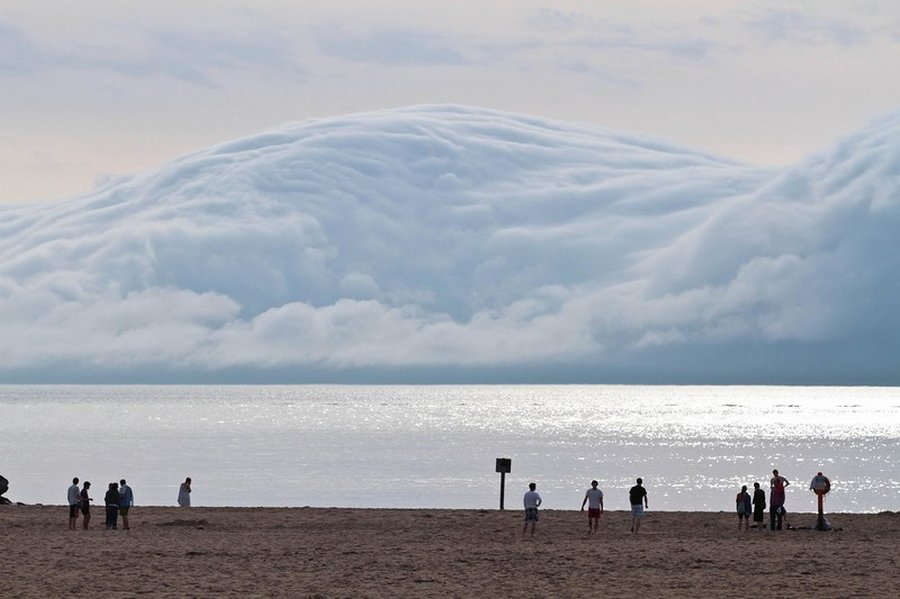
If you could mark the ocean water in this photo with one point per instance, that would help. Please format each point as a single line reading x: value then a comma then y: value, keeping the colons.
x: 435, y: 446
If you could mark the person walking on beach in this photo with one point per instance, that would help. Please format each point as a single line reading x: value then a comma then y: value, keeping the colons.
x: 777, y: 512
x: 111, y: 499
x: 532, y: 501
x: 759, y: 506
x: 126, y: 500
x: 73, y: 497
x: 594, y: 498
x: 637, y: 495
x: 184, y: 493
x: 743, y: 508
x: 86, y: 500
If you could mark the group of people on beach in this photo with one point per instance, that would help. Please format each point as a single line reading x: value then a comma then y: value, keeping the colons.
x: 756, y: 506
x: 593, y: 499
x: 118, y: 500
x: 637, y: 497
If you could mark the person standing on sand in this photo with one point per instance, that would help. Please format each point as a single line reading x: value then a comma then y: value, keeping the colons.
x: 86, y: 500
x: 759, y: 506
x: 126, y: 500
x: 73, y: 497
x: 111, y: 499
x: 637, y: 495
x: 184, y: 493
x: 532, y: 501
x: 743, y: 508
x: 594, y: 498
x: 777, y: 485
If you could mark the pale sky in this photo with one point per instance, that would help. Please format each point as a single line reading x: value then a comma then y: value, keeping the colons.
x: 100, y: 88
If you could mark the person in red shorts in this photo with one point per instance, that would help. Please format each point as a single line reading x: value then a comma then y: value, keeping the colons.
x: 594, y: 500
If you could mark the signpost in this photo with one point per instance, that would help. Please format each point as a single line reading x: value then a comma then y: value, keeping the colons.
x: 504, y: 465
x: 821, y: 486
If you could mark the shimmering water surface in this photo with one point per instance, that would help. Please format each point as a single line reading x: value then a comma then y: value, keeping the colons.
x: 435, y: 446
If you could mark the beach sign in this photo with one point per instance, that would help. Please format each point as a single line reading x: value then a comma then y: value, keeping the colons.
x: 504, y: 466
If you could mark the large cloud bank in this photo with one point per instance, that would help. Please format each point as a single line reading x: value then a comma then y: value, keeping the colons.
x: 455, y: 243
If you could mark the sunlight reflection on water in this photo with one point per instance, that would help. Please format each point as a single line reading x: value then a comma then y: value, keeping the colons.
x: 424, y: 446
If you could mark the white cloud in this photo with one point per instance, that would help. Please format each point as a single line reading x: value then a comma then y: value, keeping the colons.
x: 461, y: 238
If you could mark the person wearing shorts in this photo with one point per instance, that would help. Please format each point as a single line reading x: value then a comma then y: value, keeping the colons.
x: 126, y: 500
x: 638, y: 497
x: 532, y: 501
x: 73, y: 498
x: 594, y: 500
x: 86, y: 500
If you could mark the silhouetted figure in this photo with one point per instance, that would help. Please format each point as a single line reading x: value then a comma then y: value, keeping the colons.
x: 86, y: 500
x: 777, y: 484
x: 126, y: 500
x: 637, y: 495
x: 73, y: 498
x: 111, y: 499
x: 184, y: 493
x: 759, y: 506
x: 744, y: 508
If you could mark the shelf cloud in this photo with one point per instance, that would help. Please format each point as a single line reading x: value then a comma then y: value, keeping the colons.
x: 447, y: 242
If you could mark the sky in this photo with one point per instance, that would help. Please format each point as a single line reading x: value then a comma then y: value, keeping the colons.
x: 97, y: 89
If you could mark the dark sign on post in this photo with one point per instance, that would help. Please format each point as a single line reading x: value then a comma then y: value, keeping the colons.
x: 504, y: 466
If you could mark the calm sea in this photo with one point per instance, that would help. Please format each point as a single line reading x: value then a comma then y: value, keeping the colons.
x: 435, y: 446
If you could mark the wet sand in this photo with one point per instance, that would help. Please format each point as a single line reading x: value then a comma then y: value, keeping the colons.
x: 314, y: 552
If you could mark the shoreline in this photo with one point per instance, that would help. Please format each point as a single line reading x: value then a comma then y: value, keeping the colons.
x: 398, y: 552
x: 60, y: 506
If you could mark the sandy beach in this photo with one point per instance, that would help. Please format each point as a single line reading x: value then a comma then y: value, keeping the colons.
x: 316, y: 552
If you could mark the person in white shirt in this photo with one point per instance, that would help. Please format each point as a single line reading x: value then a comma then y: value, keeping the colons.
x: 532, y: 501
x: 594, y: 500
x: 74, y: 499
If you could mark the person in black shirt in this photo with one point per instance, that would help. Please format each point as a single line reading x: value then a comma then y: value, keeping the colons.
x: 111, y: 499
x: 638, y: 497
x: 759, y: 506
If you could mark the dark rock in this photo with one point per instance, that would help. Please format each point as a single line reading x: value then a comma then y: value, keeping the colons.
x: 4, y: 485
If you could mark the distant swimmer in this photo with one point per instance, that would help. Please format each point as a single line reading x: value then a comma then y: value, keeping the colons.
x: 184, y: 493
x: 594, y: 500
x: 532, y: 502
